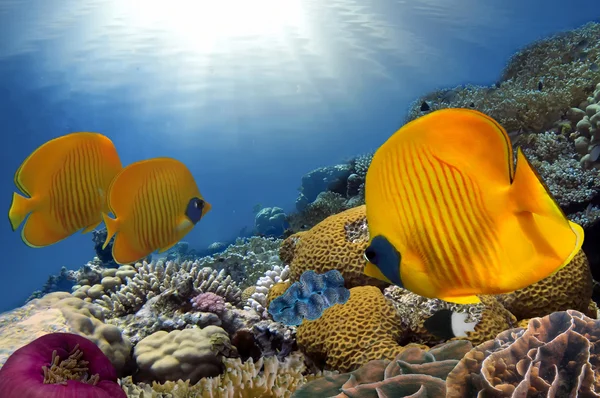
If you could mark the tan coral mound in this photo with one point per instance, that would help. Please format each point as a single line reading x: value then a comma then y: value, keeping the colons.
x: 569, y: 289
x: 556, y: 356
x: 347, y: 336
x: 62, y: 312
x: 338, y: 242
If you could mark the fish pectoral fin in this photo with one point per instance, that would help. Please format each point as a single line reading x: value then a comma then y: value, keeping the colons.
x: 461, y: 299
x: 170, y: 245
x: 91, y: 227
x: 374, y: 272
x: 185, y: 225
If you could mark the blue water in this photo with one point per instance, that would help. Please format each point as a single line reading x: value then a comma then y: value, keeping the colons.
x: 250, y: 95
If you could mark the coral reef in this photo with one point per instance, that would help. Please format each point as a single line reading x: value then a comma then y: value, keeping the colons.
x: 539, y: 84
x: 62, y: 312
x: 270, y: 221
x: 413, y: 373
x: 258, y: 299
x: 569, y: 288
x: 265, y: 378
x: 338, y: 242
x: 59, y: 365
x: 346, y: 336
x: 209, y: 302
x: 309, y: 297
x: 189, y: 354
x: 185, y: 280
x: 556, y: 354
x: 491, y: 317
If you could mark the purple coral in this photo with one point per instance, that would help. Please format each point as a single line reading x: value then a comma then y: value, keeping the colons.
x: 59, y: 365
x: 209, y: 302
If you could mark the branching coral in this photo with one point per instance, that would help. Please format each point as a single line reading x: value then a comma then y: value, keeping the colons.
x: 265, y: 378
x: 184, y: 279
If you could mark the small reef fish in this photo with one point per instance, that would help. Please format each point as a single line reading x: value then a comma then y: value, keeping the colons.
x: 66, y: 180
x: 451, y: 217
x: 446, y: 324
x: 156, y: 202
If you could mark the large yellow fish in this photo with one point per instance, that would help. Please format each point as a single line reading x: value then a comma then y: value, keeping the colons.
x: 449, y: 216
x: 156, y: 202
x: 66, y: 180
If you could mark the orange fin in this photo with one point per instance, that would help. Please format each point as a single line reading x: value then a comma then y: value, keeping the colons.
x: 123, y: 253
x: 20, y: 207
x: 112, y: 226
x: 38, y: 231
x: 549, y: 231
x: 461, y: 299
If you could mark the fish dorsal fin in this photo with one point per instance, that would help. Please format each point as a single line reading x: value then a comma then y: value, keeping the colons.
x: 126, y: 185
x: 466, y: 139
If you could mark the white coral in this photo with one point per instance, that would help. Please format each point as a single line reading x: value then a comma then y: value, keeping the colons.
x: 258, y: 300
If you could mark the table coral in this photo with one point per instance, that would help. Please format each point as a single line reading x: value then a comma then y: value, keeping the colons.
x: 413, y: 371
x: 569, y: 288
x: 557, y: 355
x: 347, y: 336
x: 338, y: 242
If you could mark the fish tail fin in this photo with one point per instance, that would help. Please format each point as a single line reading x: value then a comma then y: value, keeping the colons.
x: 112, y: 226
x: 552, y: 232
x: 20, y: 207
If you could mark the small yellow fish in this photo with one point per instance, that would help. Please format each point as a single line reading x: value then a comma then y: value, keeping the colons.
x: 449, y: 216
x: 66, y: 180
x: 156, y: 202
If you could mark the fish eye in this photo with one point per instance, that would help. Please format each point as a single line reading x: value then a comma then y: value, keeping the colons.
x: 370, y: 255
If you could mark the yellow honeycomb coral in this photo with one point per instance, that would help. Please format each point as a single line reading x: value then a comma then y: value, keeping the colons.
x: 569, y: 288
x: 347, y: 336
x: 338, y: 242
x: 277, y: 290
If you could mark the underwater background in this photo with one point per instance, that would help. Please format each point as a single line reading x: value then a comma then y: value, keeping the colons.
x: 250, y: 96
x: 359, y: 199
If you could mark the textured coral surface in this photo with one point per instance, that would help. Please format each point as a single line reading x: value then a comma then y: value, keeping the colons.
x: 346, y: 336
x: 338, y: 242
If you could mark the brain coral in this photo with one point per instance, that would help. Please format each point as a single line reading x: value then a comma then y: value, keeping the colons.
x: 338, y: 242
x: 347, y: 336
x: 188, y: 354
x: 556, y: 356
x: 569, y: 288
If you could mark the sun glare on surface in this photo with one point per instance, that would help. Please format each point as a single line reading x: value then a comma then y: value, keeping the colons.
x: 202, y: 23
